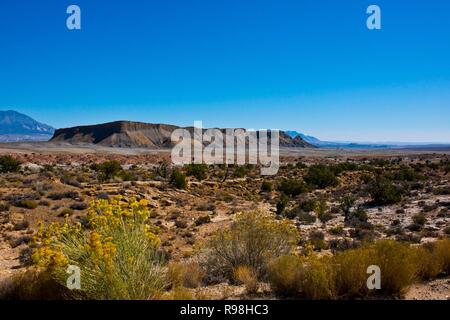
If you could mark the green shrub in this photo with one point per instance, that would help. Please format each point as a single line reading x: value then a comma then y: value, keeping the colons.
x: 383, y: 192
x: 306, y: 217
x: 321, y: 176
x: 321, y: 211
x: 9, y: 164
x: 338, y: 230
x: 252, y: 240
x: 241, y: 171
x: 178, y: 179
x: 307, y: 205
x: 344, y: 166
x: 198, y: 171
x: 266, y: 186
x: 419, y: 219
x: 292, y: 187
x: 346, y: 204
x: 202, y: 220
x: 108, y: 169
x: 282, y: 203
x: 27, y: 204
x: 404, y: 174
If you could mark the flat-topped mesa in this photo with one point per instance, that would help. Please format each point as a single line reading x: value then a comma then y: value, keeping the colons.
x: 118, y: 134
x: 129, y: 134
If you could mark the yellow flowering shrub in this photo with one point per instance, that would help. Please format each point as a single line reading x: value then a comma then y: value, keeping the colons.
x: 116, y: 250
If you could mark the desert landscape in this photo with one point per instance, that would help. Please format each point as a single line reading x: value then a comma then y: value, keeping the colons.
x: 325, y: 207
x: 225, y: 159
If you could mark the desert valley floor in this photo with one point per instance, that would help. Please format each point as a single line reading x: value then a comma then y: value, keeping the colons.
x: 57, y: 182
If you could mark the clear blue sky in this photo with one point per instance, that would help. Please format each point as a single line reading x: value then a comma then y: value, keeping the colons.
x: 306, y: 65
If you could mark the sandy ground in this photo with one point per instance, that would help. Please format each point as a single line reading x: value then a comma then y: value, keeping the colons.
x: 434, y: 290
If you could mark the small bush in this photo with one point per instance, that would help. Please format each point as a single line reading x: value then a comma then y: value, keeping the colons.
x: 281, y: 204
x: 198, y: 171
x: 338, y: 230
x: 65, y: 212
x: 4, y: 206
x: 419, y: 219
x: 308, y: 277
x: 27, y: 204
x: 206, y: 207
x: 306, y: 217
x: 346, y: 204
x: 321, y: 176
x: 79, y: 206
x: 285, y: 275
x: 292, y: 187
x: 108, y: 169
x: 241, y: 171
x: 383, y: 192
x: 266, y: 186
x: 63, y: 195
x: 307, y: 205
x: 9, y: 164
x: 178, y: 179
x: 21, y: 225
x: 202, y: 220
x: 182, y: 224
x: 252, y: 240
x: 321, y: 211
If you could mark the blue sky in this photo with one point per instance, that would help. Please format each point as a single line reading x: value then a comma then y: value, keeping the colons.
x: 306, y: 65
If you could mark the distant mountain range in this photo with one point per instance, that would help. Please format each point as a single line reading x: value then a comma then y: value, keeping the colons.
x: 360, y: 145
x: 15, y: 126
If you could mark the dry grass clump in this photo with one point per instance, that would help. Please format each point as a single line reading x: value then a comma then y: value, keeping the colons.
x: 189, y: 274
x: 434, y: 259
x: 32, y: 285
x: 344, y: 275
x: 307, y: 277
x: 27, y: 204
x: 248, y: 277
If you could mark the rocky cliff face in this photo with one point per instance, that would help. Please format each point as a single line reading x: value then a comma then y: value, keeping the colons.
x: 127, y: 134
